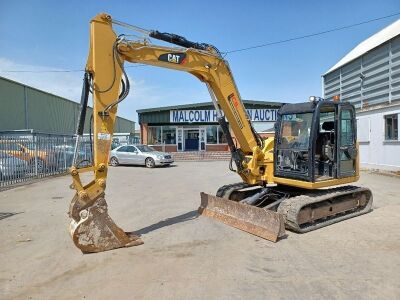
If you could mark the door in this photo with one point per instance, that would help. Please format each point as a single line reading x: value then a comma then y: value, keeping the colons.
x: 202, y: 139
x: 122, y: 154
x: 133, y: 156
x: 191, y: 139
x: 347, y: 148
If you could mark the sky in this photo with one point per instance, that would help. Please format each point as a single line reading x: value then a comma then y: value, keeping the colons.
x: 53, y: 35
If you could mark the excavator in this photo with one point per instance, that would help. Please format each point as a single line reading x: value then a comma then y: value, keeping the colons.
x: 297, y: 180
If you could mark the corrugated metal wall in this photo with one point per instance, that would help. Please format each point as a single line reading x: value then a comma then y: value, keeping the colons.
x: 373, y: 78
x: 12, y: 105
x: 23, y: 107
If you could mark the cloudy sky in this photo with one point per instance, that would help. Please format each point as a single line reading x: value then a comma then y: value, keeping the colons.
x: 40, y: 36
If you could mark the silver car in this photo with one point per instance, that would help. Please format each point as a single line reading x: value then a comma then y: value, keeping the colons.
x: 11, y: 167
x: 140, y: 155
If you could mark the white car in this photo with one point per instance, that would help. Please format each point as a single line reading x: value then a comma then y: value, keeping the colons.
x: 11, y: 167
x: 139, y: 155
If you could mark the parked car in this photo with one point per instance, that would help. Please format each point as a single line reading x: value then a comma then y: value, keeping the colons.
x: 65, y: 155
x: 11, y: 167
x: 26, y: 152
x: 140, y: 155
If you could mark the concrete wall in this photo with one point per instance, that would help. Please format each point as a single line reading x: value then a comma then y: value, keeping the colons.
x: 375, y: 152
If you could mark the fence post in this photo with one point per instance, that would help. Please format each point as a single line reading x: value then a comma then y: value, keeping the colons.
x: 35, y: 141
x: 65, y: 153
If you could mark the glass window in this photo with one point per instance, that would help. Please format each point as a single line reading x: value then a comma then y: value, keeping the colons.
x: 131, y: 149
x: 212, y: 134
x: 122, y: 149
x: 154, y: 135
x: 145, y: 148
x: 326, y: 121
x: 221, y: 136
x: 391, y: 127
x: 346, y: 130
x: 295, y: 130
x: 169, y: 135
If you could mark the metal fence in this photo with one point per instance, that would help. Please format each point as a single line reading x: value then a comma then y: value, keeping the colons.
x: 28, y: 155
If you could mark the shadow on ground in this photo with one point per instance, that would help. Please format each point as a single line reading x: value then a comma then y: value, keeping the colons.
x: 191, y: 215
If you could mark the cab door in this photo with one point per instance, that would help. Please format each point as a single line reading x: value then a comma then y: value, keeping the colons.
x: 347, y: 148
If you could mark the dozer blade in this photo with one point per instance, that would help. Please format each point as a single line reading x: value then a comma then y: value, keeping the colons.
x: 266, y: 224
x: 93, y: 230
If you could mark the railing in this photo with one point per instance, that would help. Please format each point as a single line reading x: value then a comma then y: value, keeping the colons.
x: 28, y: 155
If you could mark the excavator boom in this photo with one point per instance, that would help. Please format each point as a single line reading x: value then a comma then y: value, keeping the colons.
x: 92, y: 229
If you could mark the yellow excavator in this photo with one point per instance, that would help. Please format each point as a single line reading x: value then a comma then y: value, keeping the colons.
x: 290, y: 181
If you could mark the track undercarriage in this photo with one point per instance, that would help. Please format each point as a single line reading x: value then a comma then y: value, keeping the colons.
x: 301, y: 210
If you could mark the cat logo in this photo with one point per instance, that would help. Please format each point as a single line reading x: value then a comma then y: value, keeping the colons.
x: 175, y: 58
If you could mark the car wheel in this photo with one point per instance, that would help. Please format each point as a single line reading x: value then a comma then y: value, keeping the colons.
x: 150, y: 162
x: 114, y: 161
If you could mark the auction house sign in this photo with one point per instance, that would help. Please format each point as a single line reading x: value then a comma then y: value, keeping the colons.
x: 211, y: 116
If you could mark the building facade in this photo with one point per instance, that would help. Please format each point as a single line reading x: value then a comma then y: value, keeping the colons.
x: 24, y: 107
x: 369, y: 77
x: 194, y: 127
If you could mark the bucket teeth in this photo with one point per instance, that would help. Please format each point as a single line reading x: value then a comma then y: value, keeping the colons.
x: 95, y: 231
x: 258, y: 221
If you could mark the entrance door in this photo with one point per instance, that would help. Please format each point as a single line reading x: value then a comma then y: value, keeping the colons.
x: 347, y: 149
x: 191, y: 140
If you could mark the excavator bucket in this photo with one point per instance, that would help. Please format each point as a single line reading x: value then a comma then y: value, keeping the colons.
x: 264, y: 223
x: 93, y: 230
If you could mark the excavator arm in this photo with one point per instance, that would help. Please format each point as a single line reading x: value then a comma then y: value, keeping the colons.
x: 92, y: 228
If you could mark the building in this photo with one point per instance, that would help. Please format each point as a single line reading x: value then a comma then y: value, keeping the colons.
x: 24, y: 107
x: 194, y: 127
x: 369, y: 77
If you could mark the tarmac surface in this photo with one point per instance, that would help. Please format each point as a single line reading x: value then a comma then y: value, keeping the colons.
x: 189, y: 257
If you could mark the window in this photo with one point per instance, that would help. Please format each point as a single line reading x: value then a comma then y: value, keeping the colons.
x: 212, y: 134
x: 161, y: 134
x: 131, y: 149
x: 221, y: 136
x: 391, y: 127
x: 346, y: 128
x: 168, y: 135
x: 295, y: 130
x: 122, y: 149
x: 154, y: 135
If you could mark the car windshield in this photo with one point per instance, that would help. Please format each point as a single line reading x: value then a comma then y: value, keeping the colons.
x: 144, y: 148
x: 295, y: 130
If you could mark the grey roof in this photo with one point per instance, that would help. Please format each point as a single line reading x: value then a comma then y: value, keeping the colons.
x: 204, y: 104
x: 382, y: 36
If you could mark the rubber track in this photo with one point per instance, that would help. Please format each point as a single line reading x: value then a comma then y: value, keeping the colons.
x: 291, y: 207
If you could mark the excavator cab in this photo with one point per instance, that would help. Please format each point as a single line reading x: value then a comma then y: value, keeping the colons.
x: 316, y: 141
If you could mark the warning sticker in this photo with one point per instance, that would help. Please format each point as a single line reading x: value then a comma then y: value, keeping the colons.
x: 234, y: 103
x: 104, y: 136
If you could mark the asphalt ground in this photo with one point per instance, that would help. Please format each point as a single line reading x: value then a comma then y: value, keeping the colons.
x: 190, y: 257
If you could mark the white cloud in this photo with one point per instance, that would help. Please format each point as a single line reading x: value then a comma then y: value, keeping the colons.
x: 68, y: 85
